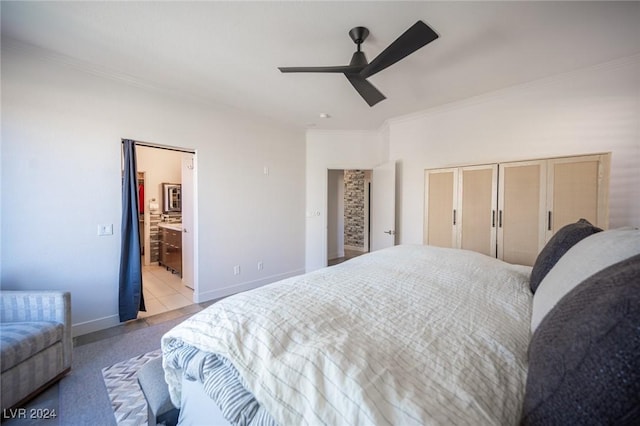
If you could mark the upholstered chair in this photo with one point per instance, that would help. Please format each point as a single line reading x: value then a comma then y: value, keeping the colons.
x: 35, y: 342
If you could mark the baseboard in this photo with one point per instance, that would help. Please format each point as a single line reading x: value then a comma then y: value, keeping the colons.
x: 354, y: 248
x: 87, y: 327
x: 94, y: 325
x: 237, y: 288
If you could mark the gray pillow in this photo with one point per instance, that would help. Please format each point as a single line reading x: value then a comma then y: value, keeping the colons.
x: 587, y: 257
x: 559, y: 244
x: 584, y: 358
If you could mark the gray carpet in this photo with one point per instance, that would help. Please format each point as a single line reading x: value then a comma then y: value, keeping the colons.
x: 83, y: 394
x: 81, y: 397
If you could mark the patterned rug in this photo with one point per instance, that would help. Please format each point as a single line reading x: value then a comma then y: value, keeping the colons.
x: 127, y: 400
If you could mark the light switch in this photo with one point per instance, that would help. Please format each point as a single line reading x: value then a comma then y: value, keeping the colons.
x: 105, y: 229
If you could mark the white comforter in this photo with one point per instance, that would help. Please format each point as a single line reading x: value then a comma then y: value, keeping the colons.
x: 410, y: 335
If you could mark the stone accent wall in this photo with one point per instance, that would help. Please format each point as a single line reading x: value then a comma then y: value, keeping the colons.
x: 354, y: 192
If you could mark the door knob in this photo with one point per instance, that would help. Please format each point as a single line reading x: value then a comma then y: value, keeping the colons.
x: 390, y: 232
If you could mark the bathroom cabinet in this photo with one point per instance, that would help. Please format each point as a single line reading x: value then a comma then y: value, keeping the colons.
x: 171, y: 247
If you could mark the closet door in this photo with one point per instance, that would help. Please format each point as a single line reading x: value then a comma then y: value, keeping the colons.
x: 521, y: 211
x: 478, y: 190
x: 577, y: 187
x: 441, y: 188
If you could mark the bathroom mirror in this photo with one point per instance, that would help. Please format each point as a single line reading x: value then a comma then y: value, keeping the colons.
x: 172, y: 199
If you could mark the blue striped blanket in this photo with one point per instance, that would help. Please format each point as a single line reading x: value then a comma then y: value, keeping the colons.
x: 221, y: 382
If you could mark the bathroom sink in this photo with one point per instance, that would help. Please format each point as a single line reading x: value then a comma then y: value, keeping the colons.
x: 173, y: 226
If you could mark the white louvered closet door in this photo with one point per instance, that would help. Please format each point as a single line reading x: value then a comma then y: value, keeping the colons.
x: 510, y: 210
x: 477, y: 217
x: 577, y: 187
x: 441, y: 188
x: 521, y: 211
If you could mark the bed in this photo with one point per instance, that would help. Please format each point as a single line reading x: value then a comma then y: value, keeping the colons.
x: 409, y: 335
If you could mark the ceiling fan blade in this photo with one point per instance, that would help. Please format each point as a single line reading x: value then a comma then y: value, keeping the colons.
x: 367, y: 90
x: 411, y: 40
x: 337, y: 69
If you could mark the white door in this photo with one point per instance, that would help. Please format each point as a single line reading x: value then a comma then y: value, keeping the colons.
x: 383, y: 206
x: 188, y: 179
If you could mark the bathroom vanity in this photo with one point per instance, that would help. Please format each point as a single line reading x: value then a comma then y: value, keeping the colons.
x: 171, y: 246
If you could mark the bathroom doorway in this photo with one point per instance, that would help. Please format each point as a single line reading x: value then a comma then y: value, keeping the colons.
x: 167, y: 207
x: 348, y: 214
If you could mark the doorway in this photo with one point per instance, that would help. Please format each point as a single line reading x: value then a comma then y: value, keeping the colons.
x: 348, y: 214
x: 167, y: 284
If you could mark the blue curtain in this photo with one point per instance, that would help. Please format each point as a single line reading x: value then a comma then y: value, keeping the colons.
x: 130, y: 297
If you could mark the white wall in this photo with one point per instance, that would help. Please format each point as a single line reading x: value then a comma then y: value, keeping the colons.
x: 333, y: 150
x: 61, y: 168
x: 587, y: 111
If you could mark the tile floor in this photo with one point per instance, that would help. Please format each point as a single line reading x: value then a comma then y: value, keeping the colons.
x: 163, y: 291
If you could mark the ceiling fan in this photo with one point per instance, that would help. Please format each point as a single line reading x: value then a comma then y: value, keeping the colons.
x: 358, y: 70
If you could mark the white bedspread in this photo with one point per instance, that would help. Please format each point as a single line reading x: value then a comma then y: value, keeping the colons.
x: 410, y: 335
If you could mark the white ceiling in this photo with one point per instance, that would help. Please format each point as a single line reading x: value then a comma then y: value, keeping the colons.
x: 228, y: 52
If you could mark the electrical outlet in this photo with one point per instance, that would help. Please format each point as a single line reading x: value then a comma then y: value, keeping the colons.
x: 236, y: 270
x: 260, y: 265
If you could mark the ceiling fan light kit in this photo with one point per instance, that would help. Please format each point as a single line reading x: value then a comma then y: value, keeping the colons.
x: 359, y: 69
